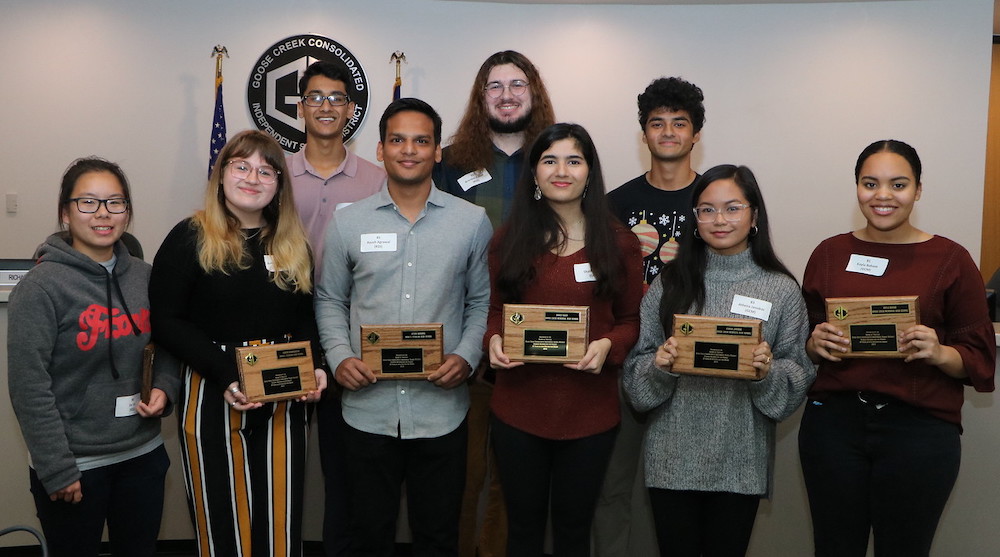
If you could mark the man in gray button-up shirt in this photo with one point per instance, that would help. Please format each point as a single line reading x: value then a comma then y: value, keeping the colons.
x: 409, y: 254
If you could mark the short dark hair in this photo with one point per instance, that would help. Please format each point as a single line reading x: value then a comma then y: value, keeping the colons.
x: 891, y: 146
x: 84, y: 165
x: 326, y: 69
x: 673, y: 94
x: 414, y: 105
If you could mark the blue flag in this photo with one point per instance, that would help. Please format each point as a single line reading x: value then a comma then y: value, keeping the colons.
x: 218, y: 126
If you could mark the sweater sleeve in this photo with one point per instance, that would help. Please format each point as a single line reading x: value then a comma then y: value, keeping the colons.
x: 970, y: 330
x: 625, y: 308
x: 646, y: 386
x: 29, y: 355
x: 171, y: 288
x: 785, y: 386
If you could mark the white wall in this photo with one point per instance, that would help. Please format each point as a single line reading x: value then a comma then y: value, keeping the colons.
x: 794, y: 91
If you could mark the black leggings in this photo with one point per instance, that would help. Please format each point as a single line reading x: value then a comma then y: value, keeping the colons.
x: 703, y: 523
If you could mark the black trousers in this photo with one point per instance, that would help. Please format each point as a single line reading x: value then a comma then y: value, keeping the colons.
x: 127, y: 495
x: 874, y: 464
x: 536, y: 472
x: 434, y: 472
x: 703, y: 523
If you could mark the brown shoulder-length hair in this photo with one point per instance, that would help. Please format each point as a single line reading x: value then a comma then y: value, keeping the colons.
x: 471, y: 146
x: 221, y: 246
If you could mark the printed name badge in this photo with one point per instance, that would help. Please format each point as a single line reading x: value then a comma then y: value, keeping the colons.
x: 867, y: 265
x: 384, y: 241
x: 269, y: 263
x: 583, y: 272
x: 751, y: 307
x: 125, y: 405
x: 473, y: 179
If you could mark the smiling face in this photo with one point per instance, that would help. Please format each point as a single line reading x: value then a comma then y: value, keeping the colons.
x: 95, y: 234
x: 887, y: 191
x: 247, y: 197
x: 562, y: 172
x: 669, y: 134
x: 508, y: 113
x: 408, y: 151
x: 326, y: 121
x: 724, y: 237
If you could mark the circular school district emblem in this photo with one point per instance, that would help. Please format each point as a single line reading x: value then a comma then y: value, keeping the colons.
x: 273, y: 87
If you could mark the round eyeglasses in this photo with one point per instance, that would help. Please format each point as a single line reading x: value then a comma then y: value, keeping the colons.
x: 88, y: 205
x: 241, y: 171
x: 732, y: 213
x: 317, y: 99
x: 494, y: 89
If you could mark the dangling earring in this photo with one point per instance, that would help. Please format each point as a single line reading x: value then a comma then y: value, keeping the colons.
x: 696, y: 235
x: 538, y: 193
x: 585, y: 188
x: 753, y: 231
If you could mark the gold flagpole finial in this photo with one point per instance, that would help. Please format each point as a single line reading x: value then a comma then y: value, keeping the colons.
x: 218, y: 52
x: 398, y: 57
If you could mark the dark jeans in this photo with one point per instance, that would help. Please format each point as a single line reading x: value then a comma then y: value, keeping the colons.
x: 330, y: 433
x: 533, y: 470
x: 880, y: 466
x: 434, y: 472
x: 128, y: 496
x: 703, y: 523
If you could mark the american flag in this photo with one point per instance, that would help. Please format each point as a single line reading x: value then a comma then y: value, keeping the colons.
x: 218, y: 126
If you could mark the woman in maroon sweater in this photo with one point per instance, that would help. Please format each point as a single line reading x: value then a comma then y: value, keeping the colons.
x: 554, y: 425
x: 879, y: 441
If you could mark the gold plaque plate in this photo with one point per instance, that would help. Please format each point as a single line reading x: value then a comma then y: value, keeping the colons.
x: 873, y: 323
x: 716, y: 346
x: 542, y: 333
x: 403, y: 351
x: 273, y: 372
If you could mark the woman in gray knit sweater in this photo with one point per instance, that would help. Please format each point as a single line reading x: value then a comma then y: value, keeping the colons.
x: 709, y: 446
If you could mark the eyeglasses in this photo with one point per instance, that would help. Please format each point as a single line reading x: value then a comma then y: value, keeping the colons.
x: 317, y: 99
x: 241, y: 171
x: 87, y: 205
x: 732, y: 213
x: 494, y: 89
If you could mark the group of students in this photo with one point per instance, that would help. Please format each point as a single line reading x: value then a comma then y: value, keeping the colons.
x: 879, y: 439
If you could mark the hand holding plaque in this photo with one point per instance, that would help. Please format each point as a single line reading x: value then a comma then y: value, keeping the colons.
x: 873, y: 324
x: 716, y: 346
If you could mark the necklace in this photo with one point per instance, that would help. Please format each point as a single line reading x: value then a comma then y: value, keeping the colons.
x: 251, y: 236
x: 567, y: 236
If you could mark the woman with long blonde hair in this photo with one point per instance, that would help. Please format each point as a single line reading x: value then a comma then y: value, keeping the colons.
x: 238, y: 273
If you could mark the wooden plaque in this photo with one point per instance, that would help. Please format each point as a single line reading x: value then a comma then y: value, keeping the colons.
x: 403, y: 351
x: 148, y: 354
x: 716, y: 346
x: 273, y: 372
x: 873, y: 324
x: 541, y: 333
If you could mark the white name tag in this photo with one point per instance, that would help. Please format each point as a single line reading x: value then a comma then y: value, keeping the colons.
x: 583, y: 272
x: 867, y: 265
x: 473, y: 179
x: 384, y: 241
x: 125, y: 405
x: 751, y: 307
x: 269, y: 263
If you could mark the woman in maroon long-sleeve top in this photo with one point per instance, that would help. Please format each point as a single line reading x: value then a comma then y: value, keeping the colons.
x: 879, y: 440
x: 554, y: 425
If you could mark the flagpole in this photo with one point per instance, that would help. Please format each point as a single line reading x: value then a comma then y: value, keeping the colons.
x: 398, y: 57
x: 218, y: 136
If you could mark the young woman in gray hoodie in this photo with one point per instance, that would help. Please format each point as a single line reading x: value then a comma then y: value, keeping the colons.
x: 79, y: 323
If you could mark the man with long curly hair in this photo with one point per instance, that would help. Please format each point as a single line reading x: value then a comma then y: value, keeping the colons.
x: 508, y: 106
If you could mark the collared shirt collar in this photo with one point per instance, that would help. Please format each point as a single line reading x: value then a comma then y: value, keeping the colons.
x: 437, y: 197
x: 299, y: 165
